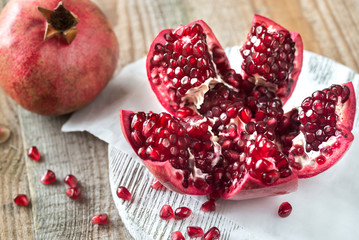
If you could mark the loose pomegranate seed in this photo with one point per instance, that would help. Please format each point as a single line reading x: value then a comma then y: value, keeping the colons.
x: 166, y: 212
x: 177, y: 236
x: 194, y: 232
x: 73, y: 193
x: 100, y: 219
x: 156, y: 184
x: 33, y: 153
x: 208, y: 206
x: 182, y: 213
x: 21, y: 200
x: 123, y: 193
x: 212, y: 234
x: 71, y: 180
x: 48, y: 177
x: 284, y: 209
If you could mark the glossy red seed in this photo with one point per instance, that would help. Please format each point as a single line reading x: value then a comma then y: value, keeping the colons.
x: 48, y: 177
x: 73, y: 193
x: 212, y: 234
x: 285, y: 209
x: 100, y: 219
x: 166, y: 212
x: 177, y: 236
x: 208, y: 206
x: 194, y: 232
x: 182, y: 213
x: 21, y: 200
x: 34, y: 154
x: 71, y: 180
x: 123, y: 193
x: 320, y: 159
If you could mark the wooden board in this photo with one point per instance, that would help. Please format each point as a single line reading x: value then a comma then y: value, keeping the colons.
x: 328, y: 27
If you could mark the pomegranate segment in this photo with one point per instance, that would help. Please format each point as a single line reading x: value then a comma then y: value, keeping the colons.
x: 272, y: 55
x: 21, y: 200
x: 326, y: 120
x: 182, y: 59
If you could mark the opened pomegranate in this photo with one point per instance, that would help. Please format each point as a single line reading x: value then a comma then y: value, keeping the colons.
x: 67, y: 69
x: 228, y: 134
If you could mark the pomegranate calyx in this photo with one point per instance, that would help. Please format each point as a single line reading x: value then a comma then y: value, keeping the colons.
x: 60, y: 21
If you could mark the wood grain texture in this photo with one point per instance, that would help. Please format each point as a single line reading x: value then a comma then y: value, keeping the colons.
x: 328, y: 27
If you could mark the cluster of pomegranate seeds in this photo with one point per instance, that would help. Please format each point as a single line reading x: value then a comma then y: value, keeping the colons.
x: 182, y: 213
x: 166, y: 212
x: 269, y: 54
x: 34, y: 153
x: 194, y: 232
x: 285, y: 209
x: 212, y: 234
x: 208, y: 206
x: 123, y: 193
x: 48, y: 177
x: 177, y: 236
x: 100, y: 219
x: 21, y: 200
x: 182, y: 62
x: 318, y: 117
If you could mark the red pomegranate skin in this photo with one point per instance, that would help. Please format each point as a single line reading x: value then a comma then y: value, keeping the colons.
x: 53, y: 77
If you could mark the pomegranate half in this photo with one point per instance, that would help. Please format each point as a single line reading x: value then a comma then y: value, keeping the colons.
x: 227, y: 133
x: 70, y: 68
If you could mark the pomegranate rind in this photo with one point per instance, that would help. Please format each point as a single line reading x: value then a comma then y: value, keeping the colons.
x: 160, y: 90
x: 298, y: 60
x: 251, y: 188
x: 165, y: 173
x: 345, y: 123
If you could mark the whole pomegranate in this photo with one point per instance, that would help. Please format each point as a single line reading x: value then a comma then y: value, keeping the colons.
x: 227, y: 133
x: 55, y: 57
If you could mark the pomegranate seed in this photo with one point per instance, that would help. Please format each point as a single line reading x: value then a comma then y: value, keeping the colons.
x: 194, y: 232
x: 100, y: 219
x: 73, y: 193
x: 214, y: 196
x: 21, y: 200
x: 212, y: 234
x: 270, y: 177
x: 182, y: 213
x: 284, y: 209
x: 320, y: 160
x: 71, y: 180
x: 208, y: 206
x: 156, y: 184
x: 48, y: 177
x: 177, y: 236
x: 124, y: 194
x: 166, y: 212
x: 33, y: 153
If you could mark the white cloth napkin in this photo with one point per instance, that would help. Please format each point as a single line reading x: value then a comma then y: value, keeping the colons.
x: 324, y: 207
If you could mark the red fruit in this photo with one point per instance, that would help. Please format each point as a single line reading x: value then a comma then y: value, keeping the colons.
x: 182, y: 213
x: 230, y: 136
x: 177, y: 236
x: 166, y: 212
x: 73, y: 193
x: 71, y: 180
x: 123, y: 193
x: 212, y: 234
x: 33, y: 153
x: 21, y: 200
x: 194, y: 232
x: 48, y: 177
x: 208, y: 206
x: 326, y: 121
x: 273, y: 54
x: 61, y: 74
x: 285, y: 210
x: 100, y: 219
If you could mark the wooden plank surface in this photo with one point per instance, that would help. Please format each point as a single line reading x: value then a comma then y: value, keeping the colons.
x: 328, y: 27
